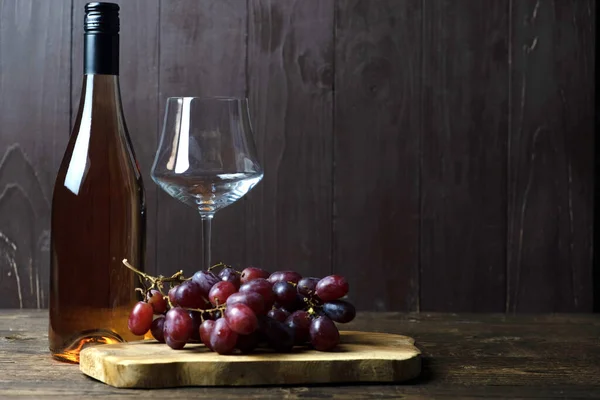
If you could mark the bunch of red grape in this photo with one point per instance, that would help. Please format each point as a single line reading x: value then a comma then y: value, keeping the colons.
x: 237, y: 312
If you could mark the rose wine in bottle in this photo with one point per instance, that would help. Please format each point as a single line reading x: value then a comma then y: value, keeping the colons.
x: 98, y: 211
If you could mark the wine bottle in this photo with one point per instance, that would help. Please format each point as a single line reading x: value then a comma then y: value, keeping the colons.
x: 98, y: 211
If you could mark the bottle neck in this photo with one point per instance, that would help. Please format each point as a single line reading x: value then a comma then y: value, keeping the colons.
x: 101, y: 54
x: 100, y: 99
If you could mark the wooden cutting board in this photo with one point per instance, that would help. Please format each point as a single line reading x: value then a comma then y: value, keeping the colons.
x: 360, y: 357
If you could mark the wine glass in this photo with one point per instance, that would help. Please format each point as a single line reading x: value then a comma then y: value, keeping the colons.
x: 206, y: 157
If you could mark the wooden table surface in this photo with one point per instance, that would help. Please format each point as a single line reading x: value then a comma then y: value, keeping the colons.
x: 478, y: 356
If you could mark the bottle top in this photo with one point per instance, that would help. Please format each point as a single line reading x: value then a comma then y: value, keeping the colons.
x: 101, y: 18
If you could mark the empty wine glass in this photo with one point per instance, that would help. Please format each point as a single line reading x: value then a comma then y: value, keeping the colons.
x: 206, y: 157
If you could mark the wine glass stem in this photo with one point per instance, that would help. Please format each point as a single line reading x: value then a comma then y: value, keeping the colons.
x: 206, y: 236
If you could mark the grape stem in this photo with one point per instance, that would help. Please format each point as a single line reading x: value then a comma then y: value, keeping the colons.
x: 156, y: 282
x: 208, y: 310
x: 313, y: 306
x: 219, y: 264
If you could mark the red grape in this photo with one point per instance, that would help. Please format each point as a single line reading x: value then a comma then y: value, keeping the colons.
x: 278, y: 314
x: 157, y: 301
x: 205, y: 331
x: 339, y: 311
x: 206, y: 280
x: 140, y: 318
x: 173, y: 344
x: 220, y: 292
x: 297, y: 304
x: 178, y: 327
x: 286, y: 276
x: 196, y: 321
x: 189, y: 295
x: 262, y: 287
x: 223, y: 338
x: 247, y: 343
x: 279, y: 336
x: 251, y: 307
x: 307, y: 286
x: 251, y: 299
x: 252, y: 273
x: 241, y: 319
x: 231, y: 275
x: 157, y: 329
x: 285, y: 293
x: 299, y: 321
x: 332, y: 287
x: 173, y: 296
x: 324, y: 335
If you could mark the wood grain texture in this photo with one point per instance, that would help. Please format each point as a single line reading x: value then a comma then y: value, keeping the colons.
x: 463, y: 175
x: 596, y: 242
x: 464, y: 356
x: 551, y: 156
x: 444, y: 149
x: 202, y: 53
x: 376, y: 158
x: 290, y: 71
x: 139, y: 92
x: 360, y: 357
x: 34, y: 128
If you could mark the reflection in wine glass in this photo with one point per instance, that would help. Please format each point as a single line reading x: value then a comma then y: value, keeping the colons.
x: 206, y: 157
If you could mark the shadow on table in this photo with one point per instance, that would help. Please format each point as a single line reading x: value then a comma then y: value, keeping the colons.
x: 427, y: 375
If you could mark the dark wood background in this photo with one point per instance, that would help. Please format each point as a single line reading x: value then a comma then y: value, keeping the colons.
x: 440, y: 154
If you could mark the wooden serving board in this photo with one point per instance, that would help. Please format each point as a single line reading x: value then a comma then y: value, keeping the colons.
x: 360, y: 357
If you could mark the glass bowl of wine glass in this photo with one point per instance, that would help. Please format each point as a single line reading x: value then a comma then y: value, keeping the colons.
x: 206, y: 157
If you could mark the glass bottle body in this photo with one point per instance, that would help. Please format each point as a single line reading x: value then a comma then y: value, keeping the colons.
x: 98, y: 219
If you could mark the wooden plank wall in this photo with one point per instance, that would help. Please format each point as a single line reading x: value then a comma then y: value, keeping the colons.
x: 463, y: 186
x: 439, y: 153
